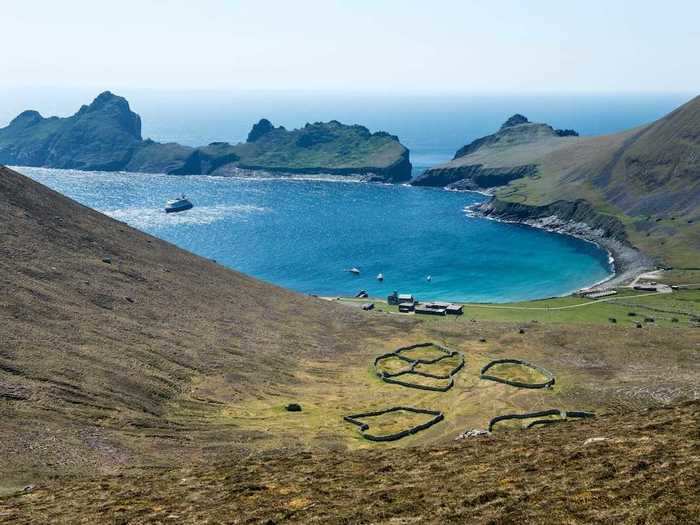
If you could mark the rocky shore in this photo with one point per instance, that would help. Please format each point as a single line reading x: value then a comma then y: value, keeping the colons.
x: 577, y: 219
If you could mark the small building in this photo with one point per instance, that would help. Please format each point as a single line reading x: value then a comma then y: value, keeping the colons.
x: 362, y: 294
x: 406, y: 298
x: 455, y: 309
x: 393, y: 299
x: 646, y: 287
x: 437, y: 305
x: 600, y: 293
x: 429, y: 310
x: 450, y: 308
x: 406, y: 307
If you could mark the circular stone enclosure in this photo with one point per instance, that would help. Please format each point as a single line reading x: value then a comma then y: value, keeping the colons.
x: 547, y: 383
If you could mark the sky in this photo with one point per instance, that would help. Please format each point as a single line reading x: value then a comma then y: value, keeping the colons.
x: 407, y: 46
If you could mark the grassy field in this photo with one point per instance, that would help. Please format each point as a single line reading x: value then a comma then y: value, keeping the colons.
x: 628, y: 308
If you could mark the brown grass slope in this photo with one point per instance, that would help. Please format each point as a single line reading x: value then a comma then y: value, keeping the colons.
x: 648, y: 177
x: 643, y: 468
x: 162, y: 359
x: 96, y: 358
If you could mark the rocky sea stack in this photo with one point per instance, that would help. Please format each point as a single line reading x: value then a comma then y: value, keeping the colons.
x: 106, y: 136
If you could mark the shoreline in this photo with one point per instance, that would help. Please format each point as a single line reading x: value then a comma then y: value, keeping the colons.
x: 627, y: 262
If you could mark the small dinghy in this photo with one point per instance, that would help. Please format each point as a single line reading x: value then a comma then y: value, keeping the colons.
x: 429, y: 278
x: 177, y: 205
x: 380, y: 277
x: 354, y: 271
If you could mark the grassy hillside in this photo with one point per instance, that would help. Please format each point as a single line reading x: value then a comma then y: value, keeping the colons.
x: 124, y: 356
x: 637, y: 468
x: 100, y: 360
x: 649, y: 178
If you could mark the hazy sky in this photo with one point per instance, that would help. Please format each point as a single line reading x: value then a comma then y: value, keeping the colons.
x: 354, y: 45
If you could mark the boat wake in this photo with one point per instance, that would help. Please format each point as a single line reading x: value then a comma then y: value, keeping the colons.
x: 144, y: 218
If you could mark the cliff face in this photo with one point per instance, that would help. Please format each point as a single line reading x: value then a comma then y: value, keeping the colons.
x: 497, y: 159
x: 106, y: 136
x: 474, y: 177
x: 573, y: 212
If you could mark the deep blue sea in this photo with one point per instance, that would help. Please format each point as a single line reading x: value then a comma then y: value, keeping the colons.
x: 303, y: 234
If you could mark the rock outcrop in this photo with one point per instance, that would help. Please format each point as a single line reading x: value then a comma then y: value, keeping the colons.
x: 101, y: 136
x: 106, y: 136
x: 497, y: 159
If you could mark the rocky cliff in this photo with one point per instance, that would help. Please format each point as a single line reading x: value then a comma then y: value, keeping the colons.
x: 578, y: 212
x: 106, y: 136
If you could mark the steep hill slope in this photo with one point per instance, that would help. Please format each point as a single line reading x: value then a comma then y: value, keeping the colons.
x: 106, y: 136
x: 94, y: 354
x: 648, y: 179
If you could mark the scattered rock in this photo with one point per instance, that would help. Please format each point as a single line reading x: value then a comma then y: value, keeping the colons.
x: 293, y: 407
x: 592, y: 440
x: 482, y: 340
x: 473, y: 433
x: 521, y: 331
x: 639, y: 325
x: 107, y: 260
x: 28, y: 488
x: 612, y: 320
x: 129, y: 299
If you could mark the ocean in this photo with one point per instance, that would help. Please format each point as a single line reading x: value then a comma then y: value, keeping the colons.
x: 305, y: 233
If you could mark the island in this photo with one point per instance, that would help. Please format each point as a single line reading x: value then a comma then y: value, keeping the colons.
x: 106, y: 136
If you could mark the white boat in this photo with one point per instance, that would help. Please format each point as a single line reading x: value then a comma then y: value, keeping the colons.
x: 380, y: 277
x: 429, y: 278
x: 176, y: 205
x: 354, y: 270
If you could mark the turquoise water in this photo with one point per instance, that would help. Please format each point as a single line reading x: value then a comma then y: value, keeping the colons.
x: 303, y: 234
